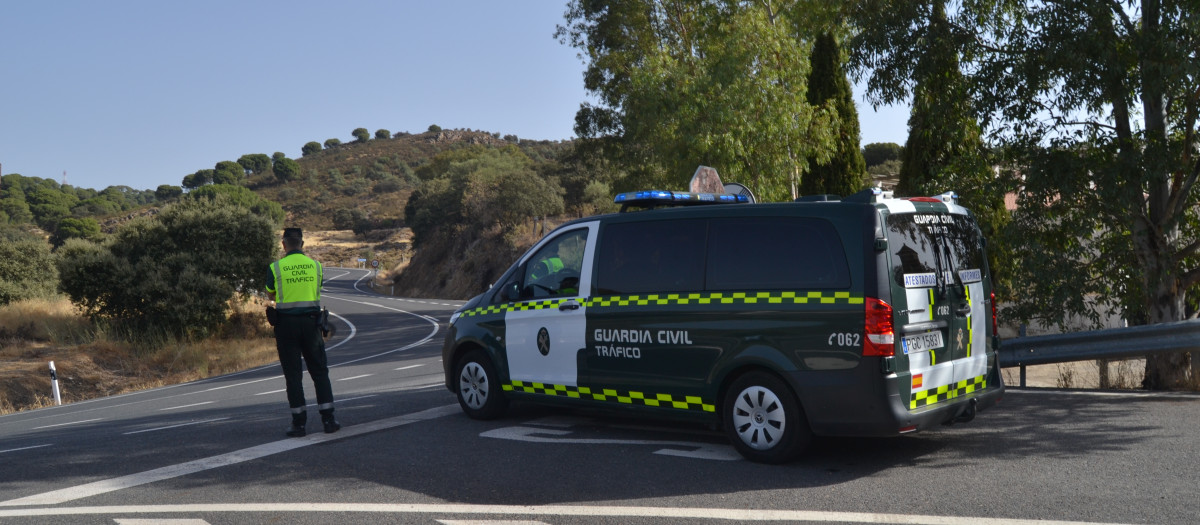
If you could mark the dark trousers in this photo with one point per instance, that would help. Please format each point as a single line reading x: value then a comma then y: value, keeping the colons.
x: 296, y: 337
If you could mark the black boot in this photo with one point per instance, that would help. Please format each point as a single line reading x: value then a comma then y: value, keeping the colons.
x: 331, y: 424
x: 298, y: 422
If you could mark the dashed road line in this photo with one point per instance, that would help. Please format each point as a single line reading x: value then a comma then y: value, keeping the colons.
x: 190, y: 423
x: 70, y: 423
x: 187, y: 406
x: 26, y: 448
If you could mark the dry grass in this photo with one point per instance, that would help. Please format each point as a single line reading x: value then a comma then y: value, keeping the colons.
x: 48, y: 320
x: 89, y: 365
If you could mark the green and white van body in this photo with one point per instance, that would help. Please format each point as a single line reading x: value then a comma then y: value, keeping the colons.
x: 869, y: 316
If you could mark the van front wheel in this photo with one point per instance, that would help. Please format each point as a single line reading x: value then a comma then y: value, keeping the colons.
x: 764, y: 420
x: 479, y: 393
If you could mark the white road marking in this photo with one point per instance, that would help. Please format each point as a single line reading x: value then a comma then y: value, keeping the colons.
x: 271, y: 392
x: 56, y: 497
x: 176, y: 426
x: 159, y: 521
x: 71, y: 423
x: 695, y: 450
x: 431, y: 320
x: 241, y: 384
x: 355, y: 377
x: 491, y: 522
x: 187, y: 406
x: 353, y: 332
x: 408, y: 367
x: 346, y: 400
x: 592, y: 511
x: 25, y: 448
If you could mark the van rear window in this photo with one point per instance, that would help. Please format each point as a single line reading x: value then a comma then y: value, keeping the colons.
x: 782, y: 253
x: 924, y: 243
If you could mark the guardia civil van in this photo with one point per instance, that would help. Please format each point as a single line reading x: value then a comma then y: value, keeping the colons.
x: 863, y: 316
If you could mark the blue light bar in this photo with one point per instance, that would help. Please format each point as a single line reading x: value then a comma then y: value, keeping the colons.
x: 656, y: 198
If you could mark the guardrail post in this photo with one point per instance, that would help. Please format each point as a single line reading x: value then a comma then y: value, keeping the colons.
x: 1022, y: 376
x: 54, y: 384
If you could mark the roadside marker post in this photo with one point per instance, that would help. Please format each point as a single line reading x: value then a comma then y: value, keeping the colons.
x: 54, y: 384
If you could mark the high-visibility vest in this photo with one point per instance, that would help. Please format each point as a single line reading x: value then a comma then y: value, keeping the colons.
x: 297, y: 282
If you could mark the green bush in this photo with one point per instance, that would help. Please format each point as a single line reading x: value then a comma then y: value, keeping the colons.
x: 73, y: 228
x: 171, y: 275
x: 27, y: 270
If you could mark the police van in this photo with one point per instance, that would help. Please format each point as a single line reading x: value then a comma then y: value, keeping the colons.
x: 862, y: 316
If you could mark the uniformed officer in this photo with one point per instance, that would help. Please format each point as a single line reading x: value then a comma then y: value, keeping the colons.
x: 295, y: 284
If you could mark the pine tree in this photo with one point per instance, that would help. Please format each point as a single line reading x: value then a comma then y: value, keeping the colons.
x: 845, y: 172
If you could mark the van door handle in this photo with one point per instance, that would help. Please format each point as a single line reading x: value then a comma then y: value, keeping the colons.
x: 963, y: 310
x: 568, y: 305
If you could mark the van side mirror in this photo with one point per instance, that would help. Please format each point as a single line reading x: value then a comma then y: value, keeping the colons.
x: 511, y: 292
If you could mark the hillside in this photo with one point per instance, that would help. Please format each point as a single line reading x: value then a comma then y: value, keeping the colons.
x: 351, y: 198
x: 374, y: 177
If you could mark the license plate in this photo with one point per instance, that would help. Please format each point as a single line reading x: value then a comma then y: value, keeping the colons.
x: 923, y: 342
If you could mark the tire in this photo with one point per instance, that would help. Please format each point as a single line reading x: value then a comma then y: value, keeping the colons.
x: 764, y: 420
x: 479, y: 392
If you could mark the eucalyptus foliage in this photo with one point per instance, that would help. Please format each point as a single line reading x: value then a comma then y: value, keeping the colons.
x: 717, y: 82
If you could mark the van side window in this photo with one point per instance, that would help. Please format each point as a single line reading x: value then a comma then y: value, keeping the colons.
x: 555, y: 269
x: 760, y: 253
x: 651, y: 257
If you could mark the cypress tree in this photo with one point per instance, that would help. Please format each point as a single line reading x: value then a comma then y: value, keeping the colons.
x: 846, y: 171
x: 944, y: 143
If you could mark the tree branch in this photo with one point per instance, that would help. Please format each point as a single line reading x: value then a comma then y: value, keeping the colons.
x: 1178, y: 200
x: 1190, y: 278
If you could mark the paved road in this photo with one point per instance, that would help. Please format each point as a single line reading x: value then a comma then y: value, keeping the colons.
x: 213, y: 451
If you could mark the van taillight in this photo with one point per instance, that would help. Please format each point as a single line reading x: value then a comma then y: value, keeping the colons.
x: 995, y: 322
x: 881, y: 339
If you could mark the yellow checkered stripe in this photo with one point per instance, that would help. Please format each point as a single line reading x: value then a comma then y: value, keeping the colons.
x: 947, y: 392
x: 682, y: 299
x: 514, y: 307
x: 610, y: 395
x: 728, y: 298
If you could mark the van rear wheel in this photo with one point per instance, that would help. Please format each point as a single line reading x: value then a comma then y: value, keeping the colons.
x: 479, y: 394
x: 764, y: 420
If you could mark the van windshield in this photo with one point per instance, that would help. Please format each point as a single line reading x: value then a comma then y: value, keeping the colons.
x: 923, y: 243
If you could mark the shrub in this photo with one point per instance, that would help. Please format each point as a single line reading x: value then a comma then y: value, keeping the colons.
x: 171, y: 275
x: 27, y: 271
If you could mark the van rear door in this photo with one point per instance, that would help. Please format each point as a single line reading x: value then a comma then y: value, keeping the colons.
x: 939, y: 282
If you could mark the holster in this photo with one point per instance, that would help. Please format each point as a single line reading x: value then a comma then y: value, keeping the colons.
x: 327, y: 328
x: 272, y: 315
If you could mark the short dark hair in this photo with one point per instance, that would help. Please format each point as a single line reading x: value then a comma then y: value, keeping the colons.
x: 293, y: 243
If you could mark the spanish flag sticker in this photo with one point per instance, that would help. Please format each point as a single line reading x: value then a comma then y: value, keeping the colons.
x: 918, y: 381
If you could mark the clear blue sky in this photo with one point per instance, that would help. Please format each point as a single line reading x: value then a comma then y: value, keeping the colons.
x: 143, y: 92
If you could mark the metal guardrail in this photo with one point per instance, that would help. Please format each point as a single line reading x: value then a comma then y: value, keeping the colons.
x: 1112, y: 343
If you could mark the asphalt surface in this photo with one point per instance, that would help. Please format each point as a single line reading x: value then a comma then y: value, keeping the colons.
x: 214, y: 451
